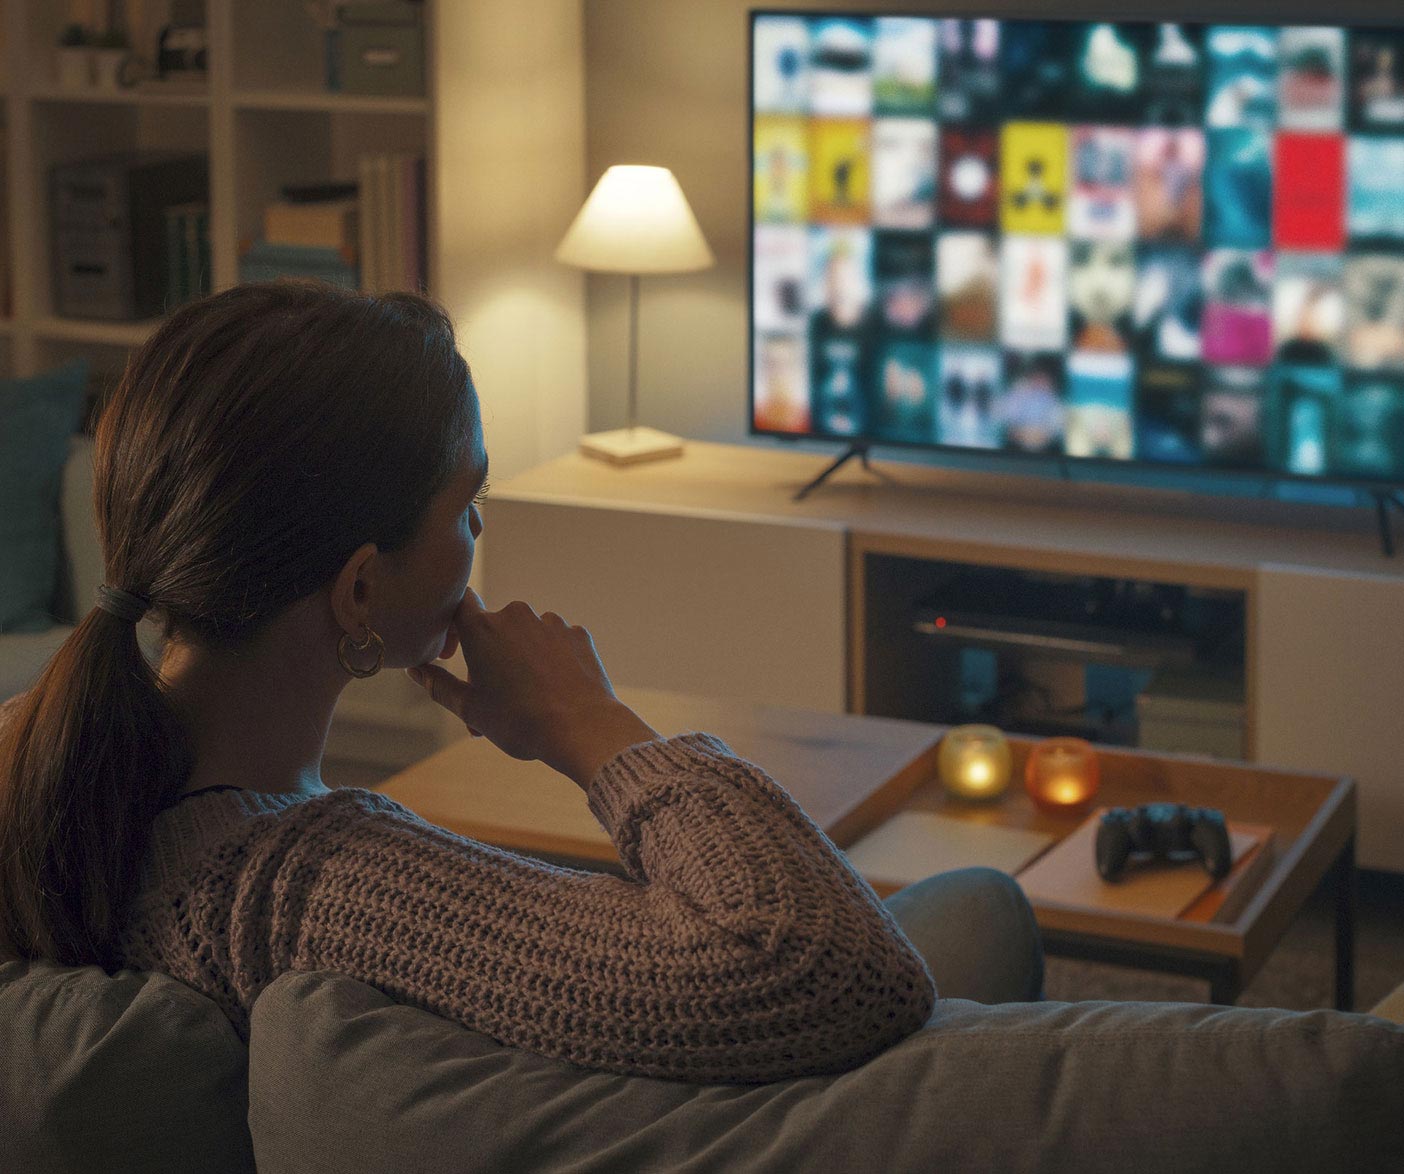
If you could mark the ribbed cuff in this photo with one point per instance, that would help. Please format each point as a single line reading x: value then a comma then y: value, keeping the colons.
x: 632, y: 775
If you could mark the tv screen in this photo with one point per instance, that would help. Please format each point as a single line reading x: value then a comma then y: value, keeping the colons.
x: 1171, y: 243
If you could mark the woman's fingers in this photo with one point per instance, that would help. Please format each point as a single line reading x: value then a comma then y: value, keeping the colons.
x: 446, y: 690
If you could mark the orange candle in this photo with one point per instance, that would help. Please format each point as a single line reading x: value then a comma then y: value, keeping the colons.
x: 1062, y: 774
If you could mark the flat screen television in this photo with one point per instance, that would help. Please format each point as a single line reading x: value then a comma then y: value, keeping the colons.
x: 1172, y: 244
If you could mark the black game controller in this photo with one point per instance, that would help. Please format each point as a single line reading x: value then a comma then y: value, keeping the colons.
x: 1166, y: 831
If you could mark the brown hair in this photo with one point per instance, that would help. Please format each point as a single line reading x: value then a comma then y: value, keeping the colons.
x: 253, y: 443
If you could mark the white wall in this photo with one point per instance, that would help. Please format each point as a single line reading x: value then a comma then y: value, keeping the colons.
x: 510, y: 141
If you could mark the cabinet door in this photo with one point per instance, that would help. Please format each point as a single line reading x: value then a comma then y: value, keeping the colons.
x: 718, y: 606
x: 1330, y: 691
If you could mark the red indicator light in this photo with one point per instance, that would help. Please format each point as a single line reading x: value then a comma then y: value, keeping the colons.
x: 940, y: 621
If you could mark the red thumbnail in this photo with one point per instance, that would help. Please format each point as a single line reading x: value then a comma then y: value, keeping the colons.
x: 1308, y: 192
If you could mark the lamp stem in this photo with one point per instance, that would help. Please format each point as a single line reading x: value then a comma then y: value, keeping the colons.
x: 633, y: 351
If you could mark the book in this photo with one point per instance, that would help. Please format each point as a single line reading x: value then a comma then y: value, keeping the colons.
x: 1067, y: 875
x: 332, y: 223
x: 264, y: 261
x: 369, y: 213
x: 912, y: 845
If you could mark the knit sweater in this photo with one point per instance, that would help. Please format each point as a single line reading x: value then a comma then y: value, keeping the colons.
x: 741, y: 947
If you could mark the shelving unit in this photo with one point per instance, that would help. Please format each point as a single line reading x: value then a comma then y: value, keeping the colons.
x: 264, y: 120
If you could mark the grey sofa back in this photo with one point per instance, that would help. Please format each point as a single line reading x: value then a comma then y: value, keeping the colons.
x: 137, y: 1072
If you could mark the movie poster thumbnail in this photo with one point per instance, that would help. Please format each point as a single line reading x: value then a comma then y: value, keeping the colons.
x: 1036, y: 68
x: 1377, y: 79
x: 1231, y: 417
x: 904, y: 266
x: 842, y: 328
x: 1107, y: 71
x: 1374, y: 292
x: 1303, y: 403
x: 906, y: 409
x: 968, y: 69
x: 1238, y: 190
x: 1237, y: 327
x: 1168, y: 303
x: 839, y: 176
x: 782, y: 383
x: 1101, y: 293
x: 780, y: 156
x: 1309, y: 192
x: 967, y: 284
x: 968, y: 161
x: 1308, y: 307
x: 1169, y: 184
x: 781, y: 273
x: 1368, y: 440
x: 904, y: 172
x: 841, y: 69
x: 1100, y: 395
x: 970, y: 393
x: 1167, y: 413
x: 1241, y: 89
x: 1311, y: 80
x: 1174, y: 78
x: 904, y: 67
x: 1033, y: 300
x: 780, y: 83
x: 1033, y: 167
x: 1376, y: 190
x: 1102, y: 205
x: 1034, y: 412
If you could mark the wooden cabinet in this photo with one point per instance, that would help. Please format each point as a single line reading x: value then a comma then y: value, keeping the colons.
x: 703, y: 575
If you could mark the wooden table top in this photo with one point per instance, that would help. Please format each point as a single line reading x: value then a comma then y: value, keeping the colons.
x: 850, y: 773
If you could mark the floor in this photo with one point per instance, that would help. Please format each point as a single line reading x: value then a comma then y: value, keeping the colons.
x: 1299, y: 976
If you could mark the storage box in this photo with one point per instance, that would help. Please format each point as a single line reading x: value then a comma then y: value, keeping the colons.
x: 379, y: 48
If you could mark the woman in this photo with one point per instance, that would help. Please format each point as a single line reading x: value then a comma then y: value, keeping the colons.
x: 289, y: 476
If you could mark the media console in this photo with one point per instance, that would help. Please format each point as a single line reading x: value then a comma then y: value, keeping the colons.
x: 704, y: 575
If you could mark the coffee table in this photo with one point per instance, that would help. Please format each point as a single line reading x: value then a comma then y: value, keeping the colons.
x: 850, y: 773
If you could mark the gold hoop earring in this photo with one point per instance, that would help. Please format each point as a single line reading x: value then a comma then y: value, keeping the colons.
x: 346, y: 644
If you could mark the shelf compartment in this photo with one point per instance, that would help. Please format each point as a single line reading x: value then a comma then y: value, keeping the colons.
x: 95, y: 330
x: 323, y: 100
x: 52, y: 96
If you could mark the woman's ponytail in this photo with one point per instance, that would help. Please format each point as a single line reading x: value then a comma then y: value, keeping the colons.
x: 88, y: 756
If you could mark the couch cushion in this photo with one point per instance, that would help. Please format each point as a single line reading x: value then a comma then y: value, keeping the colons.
x: 132, y: 1072
x: 39, y: 415
x: 343, y: 1078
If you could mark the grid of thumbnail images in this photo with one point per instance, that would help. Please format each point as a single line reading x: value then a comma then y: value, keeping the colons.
x: 1176, y: 243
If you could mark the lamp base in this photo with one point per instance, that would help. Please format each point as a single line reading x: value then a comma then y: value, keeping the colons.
x: 630, y: 446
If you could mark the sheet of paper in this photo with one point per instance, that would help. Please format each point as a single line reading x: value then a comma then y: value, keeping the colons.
x: 913, y: 845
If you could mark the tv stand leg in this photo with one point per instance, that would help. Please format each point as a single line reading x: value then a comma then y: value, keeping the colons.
x: 853, y: 450
x: 1384, y: 498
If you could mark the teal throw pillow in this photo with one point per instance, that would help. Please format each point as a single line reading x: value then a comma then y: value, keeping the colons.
x: 37, y: 416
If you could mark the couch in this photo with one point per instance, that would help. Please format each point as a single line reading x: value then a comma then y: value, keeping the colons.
x: 136, y: 1072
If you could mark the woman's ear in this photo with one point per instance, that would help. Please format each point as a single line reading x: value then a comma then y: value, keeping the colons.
x: 354, y: 589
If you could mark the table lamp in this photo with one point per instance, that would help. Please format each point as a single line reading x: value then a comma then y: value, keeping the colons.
x: 636, y: 221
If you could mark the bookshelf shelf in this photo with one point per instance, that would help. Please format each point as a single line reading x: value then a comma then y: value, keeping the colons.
x: 261, y: 118
x: 132, y: 97
x: 91, y: 330
x: 331, y: 103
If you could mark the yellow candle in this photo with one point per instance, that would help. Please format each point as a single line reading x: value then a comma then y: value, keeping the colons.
x: 974, y: 762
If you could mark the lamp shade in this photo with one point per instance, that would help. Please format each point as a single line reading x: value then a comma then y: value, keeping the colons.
x: 636, y: 221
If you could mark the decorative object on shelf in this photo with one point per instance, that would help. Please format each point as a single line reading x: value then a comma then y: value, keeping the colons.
x: 182, y: 47
x: 974, y: 762
x: 372, y: 46
x: 73, y: 63
x: 636, y: 221
x: 1062, y: 774
x: 110, y: 55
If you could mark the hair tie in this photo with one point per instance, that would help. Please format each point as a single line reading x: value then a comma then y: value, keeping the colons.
x: 125, y: 605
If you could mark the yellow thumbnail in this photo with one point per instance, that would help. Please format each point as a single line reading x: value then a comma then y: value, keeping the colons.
x: 781, y: 180
x: 1033, y: 160
x: 839, y: 170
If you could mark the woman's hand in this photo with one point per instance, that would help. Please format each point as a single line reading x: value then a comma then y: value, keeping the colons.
x: 536, y: 689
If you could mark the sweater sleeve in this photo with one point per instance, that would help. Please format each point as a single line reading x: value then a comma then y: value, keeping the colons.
x: 741, y: 946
